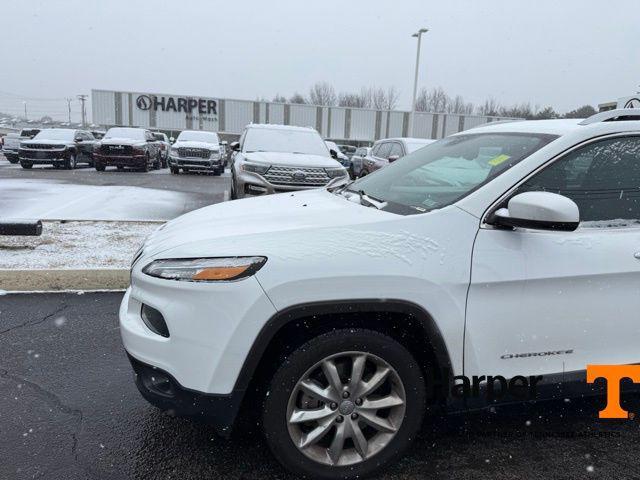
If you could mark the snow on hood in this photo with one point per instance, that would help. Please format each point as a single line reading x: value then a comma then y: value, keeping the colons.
x: 292, y: 159
x: 121, y: 141
x: 44, y: 141
x: 256, y: 221
x: 196, y: 144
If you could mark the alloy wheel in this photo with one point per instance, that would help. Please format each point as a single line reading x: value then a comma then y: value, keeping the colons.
x: 346, y: 408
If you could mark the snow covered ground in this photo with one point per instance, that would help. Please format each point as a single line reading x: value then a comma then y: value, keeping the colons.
x: 76, y: 245
x: 52, y: 200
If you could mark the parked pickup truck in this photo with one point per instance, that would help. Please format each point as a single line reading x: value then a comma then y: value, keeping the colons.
x: 127, y: 147
x: 12, y: 142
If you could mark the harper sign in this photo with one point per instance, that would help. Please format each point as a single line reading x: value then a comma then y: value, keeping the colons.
x: 188, y: 105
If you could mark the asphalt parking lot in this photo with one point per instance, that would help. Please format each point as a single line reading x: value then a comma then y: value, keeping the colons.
x: 69, y: 409
x: 48, y: 193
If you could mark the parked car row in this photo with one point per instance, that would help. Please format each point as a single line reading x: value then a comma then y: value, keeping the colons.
x: 267, y: 159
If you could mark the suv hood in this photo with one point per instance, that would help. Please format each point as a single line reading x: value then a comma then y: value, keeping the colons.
x: 44, y: 141
x: 250, y: 226
x: 292, y: 159
x: 121, y: 141
x: 195, y: 144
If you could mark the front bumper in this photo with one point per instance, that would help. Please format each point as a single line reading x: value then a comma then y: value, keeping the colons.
x: 120, y: 160
x: 43, y: 157
x: 164, y: 392
x: 248, y: 184
x: 196, y: 163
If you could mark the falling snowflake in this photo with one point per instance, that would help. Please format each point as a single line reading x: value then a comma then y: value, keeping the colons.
x: 60, y: 321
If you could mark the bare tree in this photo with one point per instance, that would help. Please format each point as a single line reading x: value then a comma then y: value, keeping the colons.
x: 279, y: 98
x: 435, y: 100
x: 459, y: 106
x: 297, y: 98
x: 490, y: 107
x: 356, y: 100
x: 582, y: 112
x: 384, y: 99
x: 322, y: 93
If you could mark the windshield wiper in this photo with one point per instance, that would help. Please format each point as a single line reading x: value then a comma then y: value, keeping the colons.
x: 369, y: 200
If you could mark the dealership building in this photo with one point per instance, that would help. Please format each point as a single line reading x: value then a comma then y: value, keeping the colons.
x: 173, y: 113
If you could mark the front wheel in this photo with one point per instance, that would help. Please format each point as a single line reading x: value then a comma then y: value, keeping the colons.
x: 100, y: 167
x: 344, y: 405
x: 70, y: 163
x: 174, y: 170
x: 12, y: 159
x: 27, y: 165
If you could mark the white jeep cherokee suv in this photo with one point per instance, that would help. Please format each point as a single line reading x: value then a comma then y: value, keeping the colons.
x: 282, y: 158
x: 510, y: 250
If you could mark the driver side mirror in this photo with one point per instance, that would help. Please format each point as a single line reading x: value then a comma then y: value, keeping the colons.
x: 333, y: 154
x: 538, y: 211
x: 393, y: 158
x: 235, y: 146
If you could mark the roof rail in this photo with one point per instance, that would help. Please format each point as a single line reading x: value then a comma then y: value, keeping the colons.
x: 613, y: 115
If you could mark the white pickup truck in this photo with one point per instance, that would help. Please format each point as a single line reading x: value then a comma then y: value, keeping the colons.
x: 11, y: 142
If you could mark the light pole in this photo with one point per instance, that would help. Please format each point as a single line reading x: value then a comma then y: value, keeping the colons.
x: 24, y: 102
x: 417, y: 35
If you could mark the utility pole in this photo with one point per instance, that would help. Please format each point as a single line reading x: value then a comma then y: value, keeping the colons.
x: 417, y: 35
x: 69, y: 108
x: 82, y: 99
x: 24, y: 102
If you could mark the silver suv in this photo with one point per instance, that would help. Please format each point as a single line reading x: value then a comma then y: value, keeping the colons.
x: 278, y: 158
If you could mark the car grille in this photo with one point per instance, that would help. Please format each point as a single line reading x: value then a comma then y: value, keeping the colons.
x: 297, y: 176
x: 116, y: 149
x: 42, y: 146
x: 39, y: 154
x: 193, y: 152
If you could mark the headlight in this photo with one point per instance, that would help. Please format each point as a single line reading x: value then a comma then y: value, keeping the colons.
x: 205, y: 269
x: 214, y: 154
x: 174, y: 152
x: 254, y: 168
x: 335, y: 172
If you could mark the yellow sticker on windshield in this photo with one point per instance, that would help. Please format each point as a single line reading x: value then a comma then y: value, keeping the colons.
x: 498, y: 160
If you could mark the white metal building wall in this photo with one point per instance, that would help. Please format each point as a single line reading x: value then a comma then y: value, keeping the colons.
x: 339, y: 123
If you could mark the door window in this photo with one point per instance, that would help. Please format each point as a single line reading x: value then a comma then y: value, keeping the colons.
x: 603, y: 178
x: 383, y: 151
x: 396, y: 149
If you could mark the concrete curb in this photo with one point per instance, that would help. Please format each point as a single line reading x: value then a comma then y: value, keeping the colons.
x: 64, y: 279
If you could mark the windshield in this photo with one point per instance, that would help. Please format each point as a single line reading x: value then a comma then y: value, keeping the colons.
x: 332, y: 146
x: 284, y: 140
x: 55, y: 134
x: 160, y: 136
x: 443, y: 172
x: 207, y: 137
x: 132, y: 133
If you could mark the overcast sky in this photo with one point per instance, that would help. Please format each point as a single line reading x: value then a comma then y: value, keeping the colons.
x: 547, y: 52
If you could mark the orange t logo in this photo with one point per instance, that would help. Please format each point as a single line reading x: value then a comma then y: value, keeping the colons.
x: 613, y: 374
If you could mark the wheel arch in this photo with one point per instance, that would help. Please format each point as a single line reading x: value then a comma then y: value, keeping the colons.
x: 408, y: 323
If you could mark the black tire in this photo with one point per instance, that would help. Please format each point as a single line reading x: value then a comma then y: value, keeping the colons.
x: 301, y: 360
x: 165, y: 163
x: 26, y: 165
x: 120, y: 168
x: 157, y: 165
x: 174, y: 170
x: 70, y: 163
x: 12, y: 159
x: 233, y: 195
x: 100, y: 167
x: 145, y: 167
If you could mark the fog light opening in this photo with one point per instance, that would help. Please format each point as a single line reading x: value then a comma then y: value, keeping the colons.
x: 154, y: 321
